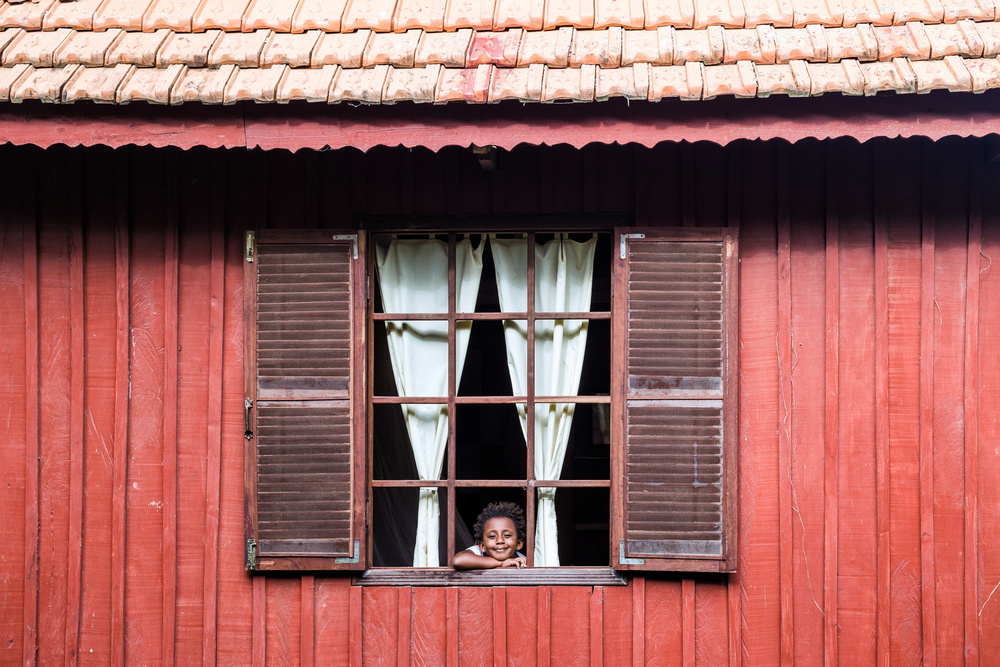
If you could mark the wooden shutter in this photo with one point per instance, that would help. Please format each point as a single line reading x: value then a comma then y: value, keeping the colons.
x: 674, y: 400
x: 305, y: 399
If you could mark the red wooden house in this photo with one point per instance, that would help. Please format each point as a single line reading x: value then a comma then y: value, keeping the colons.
x: 780, y: 447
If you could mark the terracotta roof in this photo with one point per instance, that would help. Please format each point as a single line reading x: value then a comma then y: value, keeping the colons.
x: 484, y: 51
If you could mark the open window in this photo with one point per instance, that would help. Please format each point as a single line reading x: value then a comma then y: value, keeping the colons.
x: 397, y: 383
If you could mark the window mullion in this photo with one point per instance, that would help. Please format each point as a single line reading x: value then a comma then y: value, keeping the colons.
x: 530, y: 407
x: 452, y: 390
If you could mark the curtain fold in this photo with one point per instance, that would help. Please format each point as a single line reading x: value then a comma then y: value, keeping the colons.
x: 413, y: 278
x: 564, y: 272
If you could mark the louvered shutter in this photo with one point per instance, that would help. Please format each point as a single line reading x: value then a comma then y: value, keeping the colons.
x: 305, y: 400
x: 674, y: 485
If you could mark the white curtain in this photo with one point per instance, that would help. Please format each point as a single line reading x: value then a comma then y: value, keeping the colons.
x: 413, y: 276
x: 564, y: 272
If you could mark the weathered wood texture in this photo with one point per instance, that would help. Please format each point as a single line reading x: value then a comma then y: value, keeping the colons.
x: 869, y: 408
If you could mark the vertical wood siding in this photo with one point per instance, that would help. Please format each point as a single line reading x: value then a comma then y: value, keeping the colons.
x: 869, y: 478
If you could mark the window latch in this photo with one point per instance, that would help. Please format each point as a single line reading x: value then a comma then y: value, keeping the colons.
x: 251, y: 554
x: 249, y: 248
x: 247, y: 431
x: 621, y: 249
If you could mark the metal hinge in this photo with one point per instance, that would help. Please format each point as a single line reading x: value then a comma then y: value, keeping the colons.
x: 621, y: 249
x: 249, y: 247
x: 627, y: 561
x: 251, y: 554
x: 247, y: 431
x: 348, y: 237
x: 355, y: 558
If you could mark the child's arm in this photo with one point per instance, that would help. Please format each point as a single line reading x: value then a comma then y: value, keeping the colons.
x: 466, y: 560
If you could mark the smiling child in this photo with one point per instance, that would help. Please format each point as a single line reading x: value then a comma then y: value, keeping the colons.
x: 499, y: 533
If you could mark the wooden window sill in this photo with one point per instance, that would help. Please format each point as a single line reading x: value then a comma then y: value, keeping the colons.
x: 541, y: 576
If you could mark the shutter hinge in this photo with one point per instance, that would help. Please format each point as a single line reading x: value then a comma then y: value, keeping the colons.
x: 355, y: 558
x: 621, y: 250
x: 348, y: 237
x: 247, y: 431
x: 251, y: 554
x: 249, y: 248
x: 627, y: 561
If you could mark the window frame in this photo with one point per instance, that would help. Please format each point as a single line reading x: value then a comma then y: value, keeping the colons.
x: 361, y: 428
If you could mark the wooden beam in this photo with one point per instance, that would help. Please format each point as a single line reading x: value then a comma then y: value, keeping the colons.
x: 354, y: 620
x: 403, y: 630
x: 972, y: 629
x: 258, y: 651
x: 733, y: 213
x: 597, y: 627
x: 786, y: 538
x: 307, y: 620
x: 499, y: 626
x: 77, y: 406
x: 687, y: 623
x: 544, y: 622
x: 831, y: 444
x: 451, y: 626
x: 882, y: 470
x: 169, y: 471
x: 122, y: 382
x: 213, y: 468
x: 639, y: 622
x: 927, y: 319
x: 32, y: 452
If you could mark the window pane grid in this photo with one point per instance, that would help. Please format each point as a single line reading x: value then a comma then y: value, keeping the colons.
x: 450, y: 480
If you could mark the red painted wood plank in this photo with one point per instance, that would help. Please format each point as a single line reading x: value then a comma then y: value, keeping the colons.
x: 18, y: 338
x: 76, y: 416
x: 687, y: 623
x: 54, y: 430
x: 522, y: 630
x: 660, y: 616
x: 711, y: 622
x: 807, y: 406
x: 213, y: 466
x: 282, y: 621
x: 950, y: 255
x: 380, y: 630
x: 32, y: 427
x: 785, y: 399
x: 904, y: 411
x: 882, y: 481
x: 734, y: 172
x: 544, y: 621
x: 758, y: 560
x: 477, y: 627
x: 120, y: 442
x: 856, y: 572
x: 639, y: 622
x: 831, y: 439
x: 971, y: 416
x: 307, y: 621
x: 258, y: 654
x: 569, y: 625
x: 499, y: 626
x: 403, y: 638
x: 988, y: 392
x: 354, y: 628
x: 597, y: 627
x: 169, y: 470
x: 451, y: 626
x: 144, y: 492
x: 927, y: 575
x: 193, y: 338
x: 616, y: 639
x: 332, y: 638
x: 235, y: 587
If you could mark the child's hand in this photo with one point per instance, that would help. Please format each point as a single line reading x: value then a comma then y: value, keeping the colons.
x: 518, y: 562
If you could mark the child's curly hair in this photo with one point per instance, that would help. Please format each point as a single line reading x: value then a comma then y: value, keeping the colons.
x: 501, y: 510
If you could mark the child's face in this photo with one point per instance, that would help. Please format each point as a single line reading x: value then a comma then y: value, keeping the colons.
x: 500, y: 539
